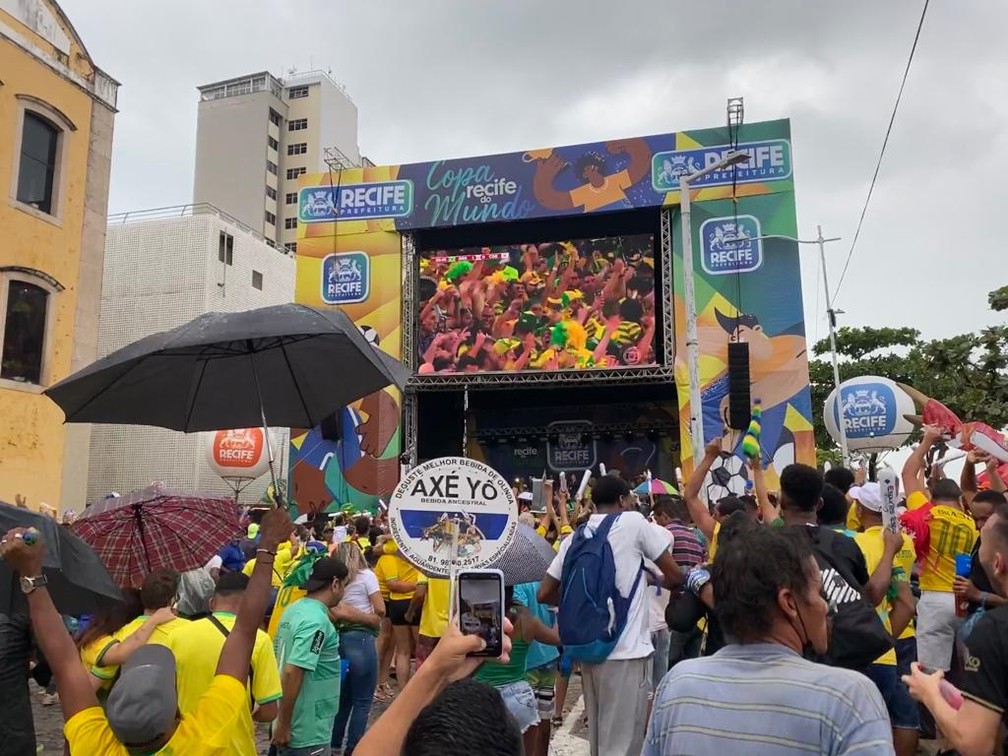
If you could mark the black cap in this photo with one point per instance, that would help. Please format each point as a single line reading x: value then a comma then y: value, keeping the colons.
x: 325, y: 571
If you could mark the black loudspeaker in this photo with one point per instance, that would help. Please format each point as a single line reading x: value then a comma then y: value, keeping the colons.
x: 330, y: 426
x: 739, y: 399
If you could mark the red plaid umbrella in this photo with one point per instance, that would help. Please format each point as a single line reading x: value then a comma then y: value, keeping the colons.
x: 154, y: 529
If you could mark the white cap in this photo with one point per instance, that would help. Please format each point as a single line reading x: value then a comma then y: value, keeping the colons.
x: 868, y: 496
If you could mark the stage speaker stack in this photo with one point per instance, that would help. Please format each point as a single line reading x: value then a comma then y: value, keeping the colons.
x: 739, y: 398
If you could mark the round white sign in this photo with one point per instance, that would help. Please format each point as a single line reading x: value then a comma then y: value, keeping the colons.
x: 452, y: 500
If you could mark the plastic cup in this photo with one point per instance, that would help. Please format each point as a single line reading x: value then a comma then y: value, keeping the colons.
x: 964, y: 565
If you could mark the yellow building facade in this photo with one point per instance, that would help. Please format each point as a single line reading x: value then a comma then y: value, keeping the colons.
x: 56, y: 117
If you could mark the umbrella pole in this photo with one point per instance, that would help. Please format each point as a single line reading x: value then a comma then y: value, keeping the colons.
x: 266, y: 436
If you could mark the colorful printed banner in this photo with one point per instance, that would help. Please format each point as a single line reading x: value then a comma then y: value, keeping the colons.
x: 598, y: 177
x: 355, y: 459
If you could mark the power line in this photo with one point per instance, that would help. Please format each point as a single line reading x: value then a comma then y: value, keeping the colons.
x: 885, y: 142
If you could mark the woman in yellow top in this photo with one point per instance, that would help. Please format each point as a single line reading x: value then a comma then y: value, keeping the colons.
x: 401, y: 577
x: 385, y: 643
x: 97, y: 641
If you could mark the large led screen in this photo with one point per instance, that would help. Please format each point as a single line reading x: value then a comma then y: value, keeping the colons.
x: 581, y: 304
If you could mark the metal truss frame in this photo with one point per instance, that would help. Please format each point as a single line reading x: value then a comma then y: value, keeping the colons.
x: 667, y: 287
x: 599, y: 376
x: 408, y: 345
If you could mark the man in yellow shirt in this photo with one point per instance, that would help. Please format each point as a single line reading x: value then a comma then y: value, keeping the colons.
x: 432, y: 600
x: 896, y: 609
x: 158, y: 592
x: 942, y: 530
x: 142, y: 714
x: 197, y: 649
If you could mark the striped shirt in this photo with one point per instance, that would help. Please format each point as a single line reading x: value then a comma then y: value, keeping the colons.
x: 763, y: 698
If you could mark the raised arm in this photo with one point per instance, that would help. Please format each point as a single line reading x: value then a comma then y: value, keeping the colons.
x: 914, y: 465
x: 118, y: 653
x: 701, y: 515
x: 542, y: 184
x: 275, y: 528
x: 769, y: 510
x: 72, y: 680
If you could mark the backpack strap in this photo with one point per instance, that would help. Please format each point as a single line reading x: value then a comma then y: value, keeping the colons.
x: 225, y: 632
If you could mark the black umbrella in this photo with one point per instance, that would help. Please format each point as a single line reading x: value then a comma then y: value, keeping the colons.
x: 282, y: 366
x: 288, y: 365
x: 77, y: 580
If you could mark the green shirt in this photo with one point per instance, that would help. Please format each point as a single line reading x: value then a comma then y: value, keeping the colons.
x: 496, y: 674
x: 306, y: 638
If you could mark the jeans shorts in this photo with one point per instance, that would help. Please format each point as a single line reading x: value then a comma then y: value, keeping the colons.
x: 903, y: 711
x: 521, y: 703
x: 543, y: 683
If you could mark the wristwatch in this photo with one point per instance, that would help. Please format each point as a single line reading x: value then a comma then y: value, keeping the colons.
x: 29, y: 584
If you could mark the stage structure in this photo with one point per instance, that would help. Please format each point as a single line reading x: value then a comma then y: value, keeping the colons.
x: 537, y: 298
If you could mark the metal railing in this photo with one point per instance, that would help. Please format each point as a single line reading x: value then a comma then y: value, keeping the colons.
x: 188, y: 211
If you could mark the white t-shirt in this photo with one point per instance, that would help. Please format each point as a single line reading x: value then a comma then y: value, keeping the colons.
x: 632, y: 538
x: 358, y: 593
x: 657, y: 595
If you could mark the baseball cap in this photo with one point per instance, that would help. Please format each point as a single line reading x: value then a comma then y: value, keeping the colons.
x: 253, y: 530
x: 143, y: 704
x: 325, y: 571
x: 868, y: 496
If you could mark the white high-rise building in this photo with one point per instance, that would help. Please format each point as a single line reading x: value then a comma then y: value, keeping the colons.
x: 162, y: 269
x: 257, y: 134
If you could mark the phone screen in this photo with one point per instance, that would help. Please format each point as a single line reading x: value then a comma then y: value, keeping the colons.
x: 481, y: 608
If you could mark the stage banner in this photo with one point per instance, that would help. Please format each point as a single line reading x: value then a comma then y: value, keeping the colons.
x: 587, y: 178
x: 354, y: 458
x: 748, y: 288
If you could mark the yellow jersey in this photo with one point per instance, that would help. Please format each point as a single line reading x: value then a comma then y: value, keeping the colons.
x: 437, y: 604
x: 386, y: 563
x: 613, y: 190
x: 91, y: 653
x: 197, y: 649
x: 208, y: 731
x: 160, y: 636
x: 872, y: 546
x: 402, y: 570
x: 952, y: 532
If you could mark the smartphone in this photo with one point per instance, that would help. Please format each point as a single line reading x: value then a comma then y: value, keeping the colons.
x: 481, y: 608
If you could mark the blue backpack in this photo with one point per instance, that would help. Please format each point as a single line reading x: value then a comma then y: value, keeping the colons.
x: 592, y: 613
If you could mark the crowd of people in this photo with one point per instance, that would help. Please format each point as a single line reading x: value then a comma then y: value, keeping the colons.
x: 575, y: 304
x: 782, y: 622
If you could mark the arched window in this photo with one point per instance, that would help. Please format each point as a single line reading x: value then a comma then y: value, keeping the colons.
x: 25, y: 315
x: 37, y: 169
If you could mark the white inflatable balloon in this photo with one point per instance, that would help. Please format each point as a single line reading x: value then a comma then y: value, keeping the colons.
x: 237, y: 453
x: 873, y: 413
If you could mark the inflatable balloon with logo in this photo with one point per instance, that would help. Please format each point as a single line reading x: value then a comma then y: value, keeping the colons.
x: 876, y: 414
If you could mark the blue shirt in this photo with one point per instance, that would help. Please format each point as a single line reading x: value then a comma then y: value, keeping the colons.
x: 232, y: 557
x: 764, y: 698
x: 539, y: 653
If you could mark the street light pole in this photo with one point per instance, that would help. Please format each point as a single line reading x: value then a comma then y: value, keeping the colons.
x: 831, y: 315
x: 689, y: 297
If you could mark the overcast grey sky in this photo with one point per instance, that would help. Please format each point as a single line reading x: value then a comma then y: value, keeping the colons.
x: 447, y: 78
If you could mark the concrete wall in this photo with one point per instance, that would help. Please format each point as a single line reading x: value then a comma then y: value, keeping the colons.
x: 158, y: 275
x: 231, y: 153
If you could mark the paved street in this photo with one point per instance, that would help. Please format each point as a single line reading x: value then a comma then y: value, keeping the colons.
x: 570, y: 740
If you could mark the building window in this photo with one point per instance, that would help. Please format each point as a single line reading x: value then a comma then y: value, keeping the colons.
x: 298, y: 124
x: 274, y: 117
x: 291, y: 198
x: 25, y: 317
x: 37, y: 168
x: 225, y: 248
x: 295, y: 93
x: 299, y: 148
x: 293, y: 173
x: 271, y: 192
x: 291, y: 247
x: 273, y: 143
x: 290, y: 223
x: 270, y: 218
x: 271, y: 167
x: 256, y: 280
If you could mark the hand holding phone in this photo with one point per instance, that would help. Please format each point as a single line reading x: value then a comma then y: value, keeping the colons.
x: 481, y: 608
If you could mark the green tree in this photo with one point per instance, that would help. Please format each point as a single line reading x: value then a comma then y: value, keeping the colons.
x: 968, y: 373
